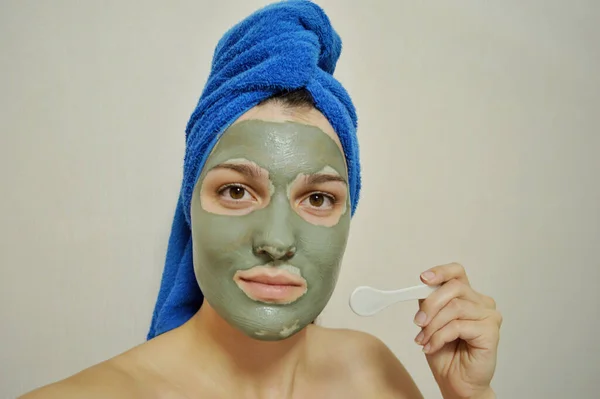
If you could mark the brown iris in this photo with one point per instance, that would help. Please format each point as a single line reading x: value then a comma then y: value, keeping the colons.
x: 317, y: 200
x: 236, y: 192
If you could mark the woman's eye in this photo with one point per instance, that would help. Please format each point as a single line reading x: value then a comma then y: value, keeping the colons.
x: 236, y: 193
x: 318, y: 200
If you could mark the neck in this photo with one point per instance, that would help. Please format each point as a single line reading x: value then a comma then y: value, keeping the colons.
x: 266, y: 365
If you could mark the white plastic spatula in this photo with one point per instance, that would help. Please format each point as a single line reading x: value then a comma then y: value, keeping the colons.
x: 367, y: 301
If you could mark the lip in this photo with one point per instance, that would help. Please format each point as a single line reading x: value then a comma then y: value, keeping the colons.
x: 270, y: 284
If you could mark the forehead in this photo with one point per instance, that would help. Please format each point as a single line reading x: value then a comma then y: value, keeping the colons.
x: 280, y: 147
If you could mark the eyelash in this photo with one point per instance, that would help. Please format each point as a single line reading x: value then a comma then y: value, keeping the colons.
x: 331, y: 198
x: 222, y: 189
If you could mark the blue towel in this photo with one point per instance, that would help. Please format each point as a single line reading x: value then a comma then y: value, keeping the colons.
x: 284, y: 46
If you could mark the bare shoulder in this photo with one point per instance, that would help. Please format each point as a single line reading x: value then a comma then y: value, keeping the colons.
x: 104, y: 380
x: 369, y: 365
x: 142, y: 372
x: 127, y: 375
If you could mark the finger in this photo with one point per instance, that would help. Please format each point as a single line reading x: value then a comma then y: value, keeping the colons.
x: 455, y: 309
x: 477, y: 334
x: 441, y: 274
x: 488, y: 301
x: 430, y: 307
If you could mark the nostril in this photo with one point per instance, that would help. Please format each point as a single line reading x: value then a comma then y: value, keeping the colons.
x: 275, y: 253
x: 290, y: 252
x: 260, y: 251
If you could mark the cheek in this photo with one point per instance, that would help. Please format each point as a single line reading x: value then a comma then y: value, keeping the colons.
x: 220, y: 240
x: 324, y: 249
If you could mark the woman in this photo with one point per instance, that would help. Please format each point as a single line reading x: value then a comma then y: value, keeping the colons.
x: 271, y: 179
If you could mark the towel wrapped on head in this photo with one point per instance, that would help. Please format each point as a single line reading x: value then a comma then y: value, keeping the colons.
x: 283, y: 47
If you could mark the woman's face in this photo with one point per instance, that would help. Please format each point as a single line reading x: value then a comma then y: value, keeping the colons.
x: 270, y: 218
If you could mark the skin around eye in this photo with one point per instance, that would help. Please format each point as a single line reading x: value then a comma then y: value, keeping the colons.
x: 235, y: 188
x: 320, y: 198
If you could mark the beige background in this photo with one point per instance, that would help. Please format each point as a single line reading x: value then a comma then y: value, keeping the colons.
x: 479, y: 133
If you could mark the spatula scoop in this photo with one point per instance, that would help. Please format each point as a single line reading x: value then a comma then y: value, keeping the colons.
x: 367, y: 301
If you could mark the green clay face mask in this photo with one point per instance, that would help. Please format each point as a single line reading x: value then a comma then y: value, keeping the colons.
x: 270, y: 220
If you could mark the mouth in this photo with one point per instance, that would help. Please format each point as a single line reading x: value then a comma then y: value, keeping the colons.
x: 271, y: 284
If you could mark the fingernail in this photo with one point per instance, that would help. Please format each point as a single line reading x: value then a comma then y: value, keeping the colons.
x: 420, y: 318
x: 428, y: 275
x: 426, y: 348
x: 419, y: 337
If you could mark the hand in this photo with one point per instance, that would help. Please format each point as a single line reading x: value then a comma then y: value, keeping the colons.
x: 460, y: 330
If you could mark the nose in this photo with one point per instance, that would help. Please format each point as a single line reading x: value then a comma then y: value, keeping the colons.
x: 274, y: 239
x: 277, y: 251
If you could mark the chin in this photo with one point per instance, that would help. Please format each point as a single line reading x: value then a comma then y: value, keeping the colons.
x: 272, y: 323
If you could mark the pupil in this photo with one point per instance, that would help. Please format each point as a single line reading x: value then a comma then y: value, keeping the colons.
x: 236, y: 192
x: 316, y: 200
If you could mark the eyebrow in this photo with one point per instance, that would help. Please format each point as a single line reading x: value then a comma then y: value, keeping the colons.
x: 248, y: 170
x: 319, y: 178
x: 254, y: 172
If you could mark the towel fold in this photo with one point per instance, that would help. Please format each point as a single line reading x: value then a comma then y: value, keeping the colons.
x: 285, y: 46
